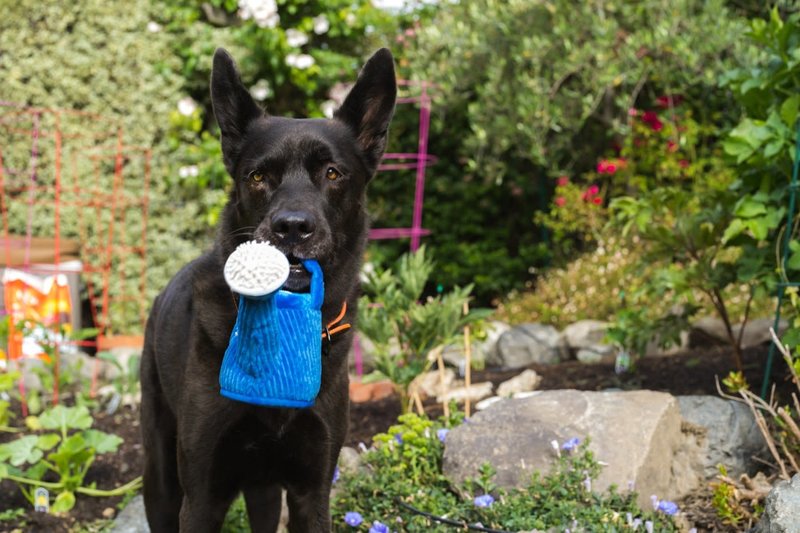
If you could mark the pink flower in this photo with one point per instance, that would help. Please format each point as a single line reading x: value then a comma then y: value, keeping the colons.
x: 651, y: 119
x: 633, y: 112
x: 593, y: 190
x: 561, y: 201
x: 562, y: 181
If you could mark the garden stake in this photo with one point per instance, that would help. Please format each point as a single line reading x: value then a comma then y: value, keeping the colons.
x: 440, y: 364
x: 418, y: 403
x: 468, y: 362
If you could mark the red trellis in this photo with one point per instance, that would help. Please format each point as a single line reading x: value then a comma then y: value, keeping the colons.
x: 69, y: 175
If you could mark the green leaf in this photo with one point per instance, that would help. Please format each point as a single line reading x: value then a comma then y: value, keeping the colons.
x: 20, y: 451
x: 48, y: 441
x: 793, y: 263
x: 789, y: 110
x: 64, y: 502
x: 733, y: 230
x: 102, y: 442
x: 59, y: 417
x: 748, y: 208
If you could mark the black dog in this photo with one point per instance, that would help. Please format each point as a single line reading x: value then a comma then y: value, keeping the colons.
x: 300, y: 184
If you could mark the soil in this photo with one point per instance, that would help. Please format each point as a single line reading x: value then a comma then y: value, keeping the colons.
x: 691, y: 372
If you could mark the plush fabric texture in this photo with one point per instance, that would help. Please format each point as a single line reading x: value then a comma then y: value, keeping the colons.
x: 274, y: 355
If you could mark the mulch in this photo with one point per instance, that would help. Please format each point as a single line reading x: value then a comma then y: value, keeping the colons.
x: 692, y: 372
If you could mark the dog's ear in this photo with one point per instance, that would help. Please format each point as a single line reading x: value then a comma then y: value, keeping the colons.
x: 234, y: 108
x: 369, y: 106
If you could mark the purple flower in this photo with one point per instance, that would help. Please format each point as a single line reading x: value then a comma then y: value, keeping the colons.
x: 667, y: 507
x: 353, y: 519
x: 378, y: 527
x: 442, y: 434
x: 571, y: 444
x: 485, y: 500
x: 336, y: 474
x: 399, y: 438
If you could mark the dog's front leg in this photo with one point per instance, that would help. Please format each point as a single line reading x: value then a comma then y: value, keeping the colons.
x: 209, y: 485
x: 309, y: 510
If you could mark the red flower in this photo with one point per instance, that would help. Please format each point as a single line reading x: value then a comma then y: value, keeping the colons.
x: 683, y: 163
x: 560, y: 201
x: 606, y: 166
x: 669, y: 100
x: 562, y: 181
x: 651, y: 119
x: 672, y: 146
x: 597, y: 200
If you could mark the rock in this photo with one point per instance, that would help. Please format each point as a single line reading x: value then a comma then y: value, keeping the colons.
x: 475, y: 392
x: 349, y: 460
x: 595, y: 353
x: 132, y: 518
x: 634, y: 433
x: 782, y: 509
x: 431, y: 383
x: 710, y: 330
x: 528, y: 380
x: 585, y: 333
x: 526, y: 344
x: 108, y: 513
x: 486, y: 402
x: 454, y: 354
x: 726, y: 433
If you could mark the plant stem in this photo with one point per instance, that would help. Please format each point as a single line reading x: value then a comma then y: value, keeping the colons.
x: 119, y: 491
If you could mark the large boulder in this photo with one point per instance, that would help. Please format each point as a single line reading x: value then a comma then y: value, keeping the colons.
x: 585, y: 333
x: 635, y: 433
x: 725, y: 433
x: 527, y: 344
x: 710, y: 330
x: 782, y: 509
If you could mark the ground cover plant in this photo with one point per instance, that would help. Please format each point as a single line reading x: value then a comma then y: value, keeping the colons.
x: 401, y: 487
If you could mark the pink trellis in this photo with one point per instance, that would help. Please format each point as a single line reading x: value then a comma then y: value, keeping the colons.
x: 407, y: 161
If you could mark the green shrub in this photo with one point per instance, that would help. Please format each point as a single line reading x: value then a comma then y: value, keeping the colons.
x: 404, y: 328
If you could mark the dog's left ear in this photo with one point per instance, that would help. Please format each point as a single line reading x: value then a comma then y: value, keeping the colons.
x: 369, y: 106
x: 234, y: 108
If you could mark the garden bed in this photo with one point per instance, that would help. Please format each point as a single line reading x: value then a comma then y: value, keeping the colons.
x: 692, y: 372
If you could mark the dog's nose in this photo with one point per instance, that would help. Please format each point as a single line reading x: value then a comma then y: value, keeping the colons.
x: 293, y: 227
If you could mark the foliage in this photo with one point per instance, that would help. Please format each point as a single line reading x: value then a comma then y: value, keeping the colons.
x: 67, y: 454
x: 763, y: 148
x: 405, y: 329
x: 534, y: 90
x: 7, y: 380
x: 731, y: 506
x: 595, y: 285
x: 404, y: 467
x: 683, y: 203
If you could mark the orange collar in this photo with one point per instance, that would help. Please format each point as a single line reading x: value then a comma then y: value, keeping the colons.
x: 331, y: 329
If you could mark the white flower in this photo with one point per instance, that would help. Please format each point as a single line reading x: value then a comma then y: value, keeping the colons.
x: 261, y: 90
x: 153, y: 27
x: 328, y: 108
x: 187, y: 106
x: 263, y: 12
x: 321, y: 24
x: 296, y: 38
x: 350, y: 19
x: 299, y: 61
x: 187, y: 171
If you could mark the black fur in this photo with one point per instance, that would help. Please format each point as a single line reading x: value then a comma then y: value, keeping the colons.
x: 202, y: 449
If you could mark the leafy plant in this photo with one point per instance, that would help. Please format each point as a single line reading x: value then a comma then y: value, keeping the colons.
x: 404, y: 329
x: 7, y: 380
x: 66, y: 455
x: 403, y: 487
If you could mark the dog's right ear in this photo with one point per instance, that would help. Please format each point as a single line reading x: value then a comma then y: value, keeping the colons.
x: 234, y: 108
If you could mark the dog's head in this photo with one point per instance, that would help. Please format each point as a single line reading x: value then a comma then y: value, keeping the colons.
x: 299, y: 183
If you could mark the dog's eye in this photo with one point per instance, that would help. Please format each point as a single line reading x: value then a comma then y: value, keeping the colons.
x: 257, y: 177
x: 332, y: 173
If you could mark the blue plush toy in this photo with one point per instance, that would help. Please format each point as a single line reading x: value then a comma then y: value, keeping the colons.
x: 274, y: 354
